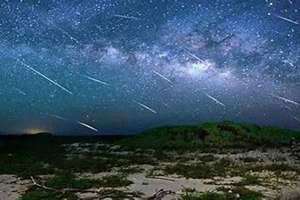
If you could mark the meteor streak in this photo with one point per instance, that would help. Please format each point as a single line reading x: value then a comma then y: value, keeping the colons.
x: 215, y: 100
x: 287, y: 19
x: 20, y: 91
x: 286, y: 100
x: 45, y: 77
x: 63, y: 31
x: 193, y: 55
x: 88, y: 126
x: 126, y: 17
x: 146, y: 107
x: 162, y: 76
x: 96, y: 80
x: 78, y: 122
x: 58, y: 117
x: 68, y: 34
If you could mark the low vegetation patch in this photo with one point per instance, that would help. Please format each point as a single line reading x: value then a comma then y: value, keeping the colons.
x: 63, y: 186
x: 249, y: 180
x: 207, y: 158
x: 278, y: 169
x: 114, y: 181
x: 237, y: 193
x: 38, y: 194
x: 211, y: 135
x: 200, y: 169
x: 131, y: 170
x: 119, y: 194
x: 70, y: 181
x: 204, y: 196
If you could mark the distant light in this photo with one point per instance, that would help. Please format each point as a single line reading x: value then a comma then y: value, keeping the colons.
x: 34, y: 131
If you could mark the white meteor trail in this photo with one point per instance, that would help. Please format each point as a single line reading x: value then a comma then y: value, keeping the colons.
x: 286, y: 100
x: 20, y: 91
x: 88, y: 126
x: 126, y: 17
x: 96, y: 80
x: 162, y: 76
x: 287, y: 19
x: 63, y: 31
x: 215, y: 100
x: 58, y: 117
x: 66, y: 33
x: 289, y: 62
x: 146, y: 107
x: 45, y: 77
x: 78, y: 122
x: 193, y: 55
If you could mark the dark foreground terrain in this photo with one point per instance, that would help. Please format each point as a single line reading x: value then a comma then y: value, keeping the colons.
x: 212, y: 161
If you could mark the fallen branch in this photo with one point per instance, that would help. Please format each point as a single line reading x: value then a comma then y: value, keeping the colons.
x: 160, y: 194
x: 162, y: 178
x: 103, y: 194
x: 41, y: 186
x: 61, y: 190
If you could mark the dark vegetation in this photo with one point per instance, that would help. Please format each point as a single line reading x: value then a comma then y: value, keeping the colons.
x: 236, y: 193
x: 44, y: 154
x: 200, y: 170
x: 224, y: 167
x: 212, y: 135
x: 38, y: 194
x: 70, y: 181
x: 37, y: 155
x: 63, y: 181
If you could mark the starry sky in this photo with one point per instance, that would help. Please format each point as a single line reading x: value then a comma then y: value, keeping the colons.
x: 123, y: 66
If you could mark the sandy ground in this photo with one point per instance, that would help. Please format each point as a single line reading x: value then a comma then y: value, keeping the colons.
x: 11, y: 187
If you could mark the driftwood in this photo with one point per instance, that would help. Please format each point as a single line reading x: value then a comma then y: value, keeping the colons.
x: 160, y: 194
x: 41, y: 186
x: 35, y: 183
x: 102, y: 194
x: 162, y: 178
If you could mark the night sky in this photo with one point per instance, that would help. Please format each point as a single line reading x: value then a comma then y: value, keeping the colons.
x: 122, y: 66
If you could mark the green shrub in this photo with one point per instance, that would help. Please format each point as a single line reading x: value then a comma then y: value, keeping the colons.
x: 69, y: 181
x: 203, y: 196
x: 114, y: 181
x: 40, y: 194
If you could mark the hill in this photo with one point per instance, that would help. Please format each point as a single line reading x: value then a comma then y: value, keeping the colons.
x: 223, y: 134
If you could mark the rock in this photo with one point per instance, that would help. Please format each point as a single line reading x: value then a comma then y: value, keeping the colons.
x: 87, y: 195
x: 115, y: 147
x: 290, y: 194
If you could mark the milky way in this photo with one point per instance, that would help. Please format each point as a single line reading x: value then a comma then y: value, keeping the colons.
x: 122, y: 66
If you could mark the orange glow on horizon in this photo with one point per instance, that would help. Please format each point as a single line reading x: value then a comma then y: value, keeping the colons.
x: 33, y: 131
